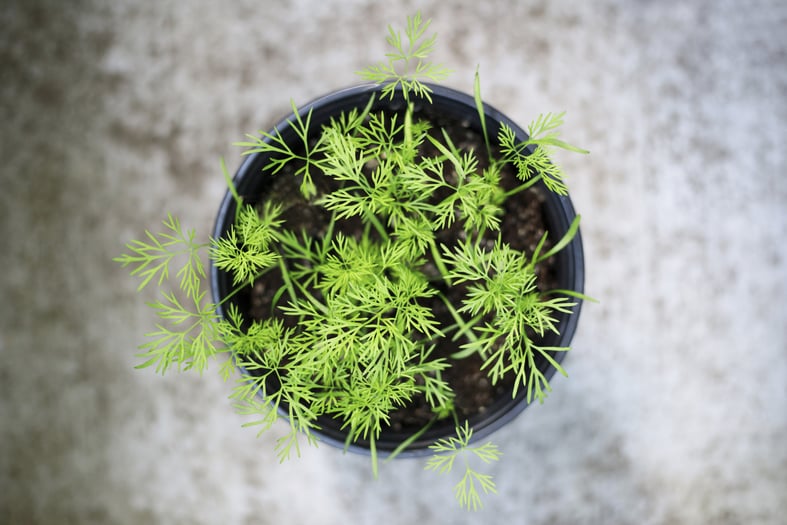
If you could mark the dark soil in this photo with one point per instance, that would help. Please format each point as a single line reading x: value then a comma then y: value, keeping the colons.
x: 522, y: 226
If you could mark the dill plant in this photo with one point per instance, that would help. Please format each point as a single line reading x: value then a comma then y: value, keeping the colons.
x: 359, y: 341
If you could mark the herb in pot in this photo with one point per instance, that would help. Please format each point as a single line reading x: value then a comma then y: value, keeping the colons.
x: 412, y: 224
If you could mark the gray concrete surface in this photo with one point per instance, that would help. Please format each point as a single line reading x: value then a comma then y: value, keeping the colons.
x: 675, y: 412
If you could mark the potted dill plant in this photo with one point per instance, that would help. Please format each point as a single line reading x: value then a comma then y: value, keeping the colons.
x: 396, y: 268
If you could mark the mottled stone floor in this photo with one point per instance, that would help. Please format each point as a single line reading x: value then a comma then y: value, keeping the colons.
x: 675, y: 412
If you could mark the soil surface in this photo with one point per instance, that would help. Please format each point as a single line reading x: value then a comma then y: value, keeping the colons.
x: 522, y: 226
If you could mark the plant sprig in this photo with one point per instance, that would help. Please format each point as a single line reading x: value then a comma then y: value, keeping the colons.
x: 189, y: 338
x: 188, y: 335
x: 472, y: 484
x: 153, y: 258
x: 246, y: 248
x: 281, y: 153
x: 532, y: 156
x: 407, y: 64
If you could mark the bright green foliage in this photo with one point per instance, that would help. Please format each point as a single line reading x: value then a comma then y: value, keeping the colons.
x: 153, y: 257
x: 407, y: 64
x: 245, y: 250
x: 188, y: 335
x: 446, y: 453
x: 504, y: 283
x: 269, y: 354
x: 282, y: 153
x: 362, y: 341
x: 531, y: 157
x: 352, y: 333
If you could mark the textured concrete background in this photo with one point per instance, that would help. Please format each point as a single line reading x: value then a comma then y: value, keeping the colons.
x: 113, y: 113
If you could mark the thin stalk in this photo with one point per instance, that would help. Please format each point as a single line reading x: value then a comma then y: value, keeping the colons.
x: 564, y: 241
x: 438, y: 260
x: 377, y: 226
x: 522, y: 187
x: 230, y: 184
x: 407, y: 442
x: 408, y: 127
x: 479, y: 105
x: 373, y: 452
x: 571, y: 293
x: 465, y: 328
x: 243, y: 287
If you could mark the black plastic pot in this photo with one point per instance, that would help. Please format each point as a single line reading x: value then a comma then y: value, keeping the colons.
x: 250, y: 180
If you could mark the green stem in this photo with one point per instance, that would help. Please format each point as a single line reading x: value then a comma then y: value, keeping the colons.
x: 523, y: 187
x: 408, y: 127
x: 373, y: 452
x: 243, y: 287
x: 230, y: 184
x: 479, y: 105
x: 407, y: 442
x: 438, y: 260
x: 571, y: 293
x: 480, y: 235
x: 465, y: 329
x: 372, y: 218
x: 564, y: 241
x: 285, y: 275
